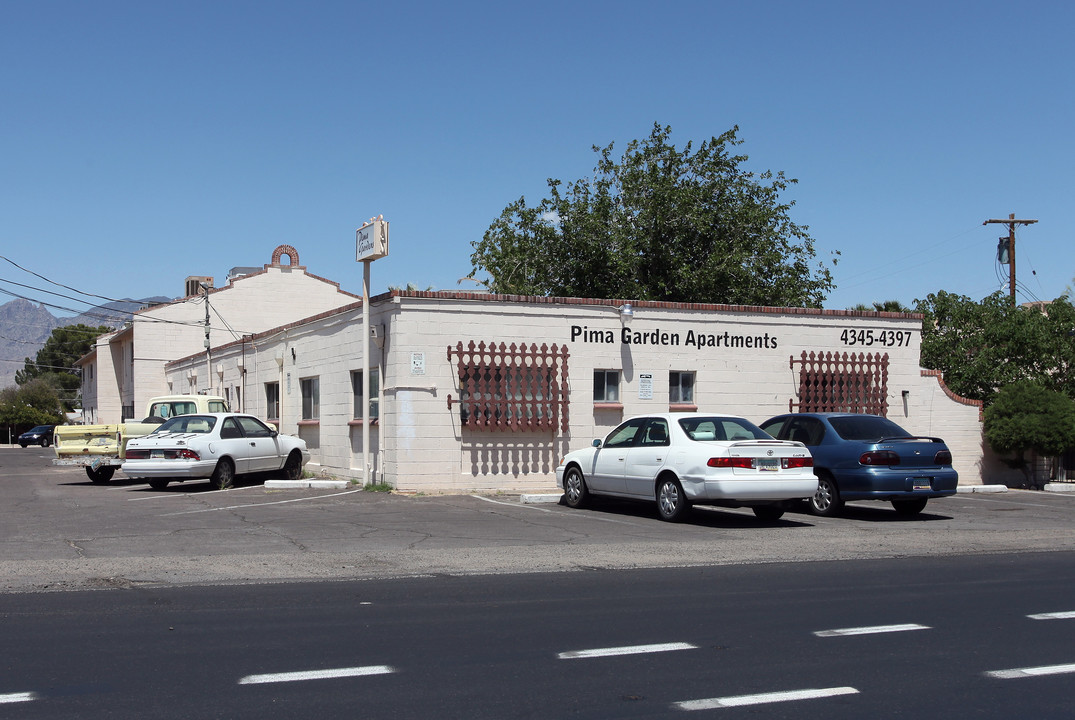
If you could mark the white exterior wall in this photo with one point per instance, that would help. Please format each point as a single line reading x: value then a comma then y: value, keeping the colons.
x: 420, y: 445
x: 254, y: 303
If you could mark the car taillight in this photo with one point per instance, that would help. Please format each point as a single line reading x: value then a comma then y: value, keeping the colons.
x: 944, y: 457
x: 731, y: 462
x: 137, y: 454
x: 879, y: 457
x: 796, y: 462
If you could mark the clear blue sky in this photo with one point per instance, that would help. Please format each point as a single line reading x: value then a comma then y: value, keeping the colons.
x: 143, y: 142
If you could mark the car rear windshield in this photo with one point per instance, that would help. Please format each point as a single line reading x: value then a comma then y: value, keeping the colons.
x: 703, y: 429
x: 188, y: 424
x: 866, y: 427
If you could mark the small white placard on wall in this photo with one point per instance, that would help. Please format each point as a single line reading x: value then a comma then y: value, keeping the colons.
x: 418, y: 363
x: 645, y: 386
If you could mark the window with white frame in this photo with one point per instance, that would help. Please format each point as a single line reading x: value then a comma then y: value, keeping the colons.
x: 375, y: 393
x: 311, y: 398
x: 606, y: 385
x: 680, y: 387
x: 272, y: 400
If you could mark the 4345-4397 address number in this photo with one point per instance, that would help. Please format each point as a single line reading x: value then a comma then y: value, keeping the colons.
x: 869, y: 338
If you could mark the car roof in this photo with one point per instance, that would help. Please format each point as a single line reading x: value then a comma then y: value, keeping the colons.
x: 684, y: 415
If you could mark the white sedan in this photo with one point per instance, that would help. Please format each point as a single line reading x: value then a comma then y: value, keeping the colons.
x: 681, y: 459
x: 217, y: 446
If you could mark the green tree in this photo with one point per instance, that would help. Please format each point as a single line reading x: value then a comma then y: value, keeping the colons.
x: 33, y: 403
x: 1027, y: 417
x: 54, y: 363
x: 659, y: 224
x: 981, y: 347
x: 886, y: 306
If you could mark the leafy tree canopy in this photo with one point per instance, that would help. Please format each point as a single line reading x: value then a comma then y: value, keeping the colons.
x: 658, y: 224
x: 981, y: 347
x: 54, y: 363
x: 1026, y: 416
x: 886, y: 306
x: 33, y: 403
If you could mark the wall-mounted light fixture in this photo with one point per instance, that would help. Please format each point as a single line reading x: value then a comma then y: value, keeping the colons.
x: 627, y: 313
x: 279, y: 359
x: 240, y: 365
x: 292, y: 354
x: 220, y: 370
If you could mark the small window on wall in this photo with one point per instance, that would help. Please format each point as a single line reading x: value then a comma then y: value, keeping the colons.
x: 375, y: 393
x: 606, y: 385
x: 311, y: 398
x: 272, y: 400
x: 681, y: 388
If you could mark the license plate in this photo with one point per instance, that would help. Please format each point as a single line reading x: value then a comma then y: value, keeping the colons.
x: 768, y: 464
x: 156, y: 454
x: 921, y: 484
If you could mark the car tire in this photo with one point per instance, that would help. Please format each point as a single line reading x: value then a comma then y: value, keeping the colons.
x: 826, y: 502
x: 23, y: 445
x: 672, y: 502
x: 223, y: 475
x: 158, y: 483
x: 910, y: 507
x: 769, y: 513
x: 101, y: 475
x: 293, y: 466
x: 44, y: 442
x: 576, y: 494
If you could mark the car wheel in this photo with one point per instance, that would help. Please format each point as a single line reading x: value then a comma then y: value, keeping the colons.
x: 768, y: 512
x: 910, y: 507
x: 158, y: 483
x: 293, y: 466
x: 575, y: 491
x: 101, y: 475
x: 23, y: 445
x: 44, y: 442
x: 672, y: 503
x: 826, y: 501
x: 224, y: 475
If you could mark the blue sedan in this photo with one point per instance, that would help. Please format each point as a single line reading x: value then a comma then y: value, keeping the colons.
x: 868, y: 457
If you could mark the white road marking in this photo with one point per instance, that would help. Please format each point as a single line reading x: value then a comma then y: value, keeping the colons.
x: 17, y: 697
x: 317, y: 674
x: 249, y: 505
x: 1032, y: 671
x: 589, y: 516
x: 627, y: 650
x: 764, y: 698
x: 874, y: 630
x: 1053, y: 616
x: 164, y: 494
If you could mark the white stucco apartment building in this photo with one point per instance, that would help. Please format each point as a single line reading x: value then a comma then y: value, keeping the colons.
x: 487, y: 392
x: 126, y: 368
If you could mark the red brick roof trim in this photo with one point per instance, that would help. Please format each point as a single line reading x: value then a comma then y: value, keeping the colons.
x: 660, y: 304
x: 958, y: 398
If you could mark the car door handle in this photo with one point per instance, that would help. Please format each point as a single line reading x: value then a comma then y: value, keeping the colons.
x: 253, y: 444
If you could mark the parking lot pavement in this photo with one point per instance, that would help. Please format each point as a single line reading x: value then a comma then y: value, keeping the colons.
x: 60, y: 531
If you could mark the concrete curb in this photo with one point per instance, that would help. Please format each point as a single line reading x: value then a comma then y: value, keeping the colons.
x: 315, y: 484
x: 982, y: 489
x: 1060, y: 487
x: 538, y: 498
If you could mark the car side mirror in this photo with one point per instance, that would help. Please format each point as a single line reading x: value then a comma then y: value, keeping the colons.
x: 596, y: 443
x: 274, y: 433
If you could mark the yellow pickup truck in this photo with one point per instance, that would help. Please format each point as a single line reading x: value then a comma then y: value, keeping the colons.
x: 101, y: 448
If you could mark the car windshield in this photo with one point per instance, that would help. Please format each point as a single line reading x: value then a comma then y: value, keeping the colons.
x: 866, y: 427
x: 722, y: 428
x: 172, y: 408
x: 188, y: 424
x: 41, y: 429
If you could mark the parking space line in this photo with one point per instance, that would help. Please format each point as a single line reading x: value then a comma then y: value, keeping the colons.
x: 1032, y: 671
x: 250, y: 505
x: 874, y: 630
x: 1068, y: 615
x: 317, y: 674
x: 17, y: 697
x: 627, y: 650
x: 764, y: 698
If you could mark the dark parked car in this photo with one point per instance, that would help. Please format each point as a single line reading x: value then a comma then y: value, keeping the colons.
x: 868, y: 457
x: 40, y: 435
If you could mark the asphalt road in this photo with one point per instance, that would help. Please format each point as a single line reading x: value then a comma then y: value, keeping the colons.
x: 936, y: 637
x: 61, y: 532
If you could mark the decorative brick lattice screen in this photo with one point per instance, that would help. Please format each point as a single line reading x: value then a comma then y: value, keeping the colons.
x: 842, y: 382
x: 511, y: 387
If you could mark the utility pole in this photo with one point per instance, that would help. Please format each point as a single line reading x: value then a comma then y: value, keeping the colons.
x: 1011, y: 222
x: 208, y: 352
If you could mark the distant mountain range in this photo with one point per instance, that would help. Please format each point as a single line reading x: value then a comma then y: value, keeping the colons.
x: 25, y: 326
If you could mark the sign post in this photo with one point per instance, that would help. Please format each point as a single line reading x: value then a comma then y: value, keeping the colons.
x: 371, y: 243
